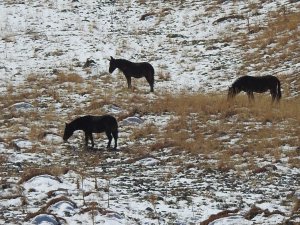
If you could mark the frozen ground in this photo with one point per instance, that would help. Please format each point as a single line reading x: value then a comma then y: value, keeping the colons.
x: 180, y: 39
x: 191, y: 52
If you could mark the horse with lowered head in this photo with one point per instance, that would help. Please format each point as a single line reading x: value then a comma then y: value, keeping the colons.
x: 260, y: 84
x: 131, y: 69
x: 93, y: 124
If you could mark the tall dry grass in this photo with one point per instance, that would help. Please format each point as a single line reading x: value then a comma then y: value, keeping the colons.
x: 273, y: 44
x: 69, y: 77
x: 207, y: 105
x: 200, y: 120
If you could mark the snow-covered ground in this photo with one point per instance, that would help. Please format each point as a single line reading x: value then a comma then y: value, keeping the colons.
x: 190, y: 52
x: 179, y: 39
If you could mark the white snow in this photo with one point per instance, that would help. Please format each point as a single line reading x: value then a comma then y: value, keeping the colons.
x: 181, y: 40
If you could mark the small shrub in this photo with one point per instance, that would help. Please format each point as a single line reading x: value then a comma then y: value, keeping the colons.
x: 69, y: 77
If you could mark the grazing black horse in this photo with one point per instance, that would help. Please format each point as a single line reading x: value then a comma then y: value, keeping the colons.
x: 93, y: 124
x: 136, y: 70
x: 251, y: 84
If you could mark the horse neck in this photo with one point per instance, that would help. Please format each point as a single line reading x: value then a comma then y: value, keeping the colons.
x: 236, y: 87
x: 76, y: 124
x: 122, y: 63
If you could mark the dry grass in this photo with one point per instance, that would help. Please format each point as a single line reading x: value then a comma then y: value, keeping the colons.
x: 3, y: 159
x: 274, y: 45
x: 147, y: 130
x: 44, y: 209
x: 35, y: 132
x: 222, y: 214
x: 216, y: 104
x: 32, y: 172
x: 199, y: 121
x: 69, y: 77
x: 183, y: 104
x: 163, y: 76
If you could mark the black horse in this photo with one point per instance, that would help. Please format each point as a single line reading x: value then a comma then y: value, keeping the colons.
x: 251, y: 84
x: 136, y: 70
x: 93, y: 124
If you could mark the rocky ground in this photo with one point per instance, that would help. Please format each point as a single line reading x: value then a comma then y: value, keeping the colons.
x: 185, y: 155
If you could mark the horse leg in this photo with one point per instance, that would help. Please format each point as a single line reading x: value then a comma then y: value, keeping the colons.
x: 274, y: 95
x: 249, y: 96
x: 115, y: 135
x: 277, y: 97
x: 252, y: 96
x: 150, y: 80
x: 86, y: 139
x: 109, y: 136
x: 128, y: 78
x: 92, y: 140
x: 230, y: 96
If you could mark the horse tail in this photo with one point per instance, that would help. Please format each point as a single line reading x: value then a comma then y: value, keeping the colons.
x: 278, y: 90
x: 152, y: 69
x: 150, y: 77
x: 115, y: 125
x: 115, y: 131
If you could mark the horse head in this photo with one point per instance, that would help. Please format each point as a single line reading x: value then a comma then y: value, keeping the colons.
x: 68, y: 132
x: 231, y: 92
x: 112, y: 64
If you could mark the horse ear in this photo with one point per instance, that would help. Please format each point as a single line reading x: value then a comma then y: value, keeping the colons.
x: 111, y: 58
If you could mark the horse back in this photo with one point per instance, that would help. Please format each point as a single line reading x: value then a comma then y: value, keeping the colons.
x: 267, y: 82
x: 98, y: 124
x: 147, y: 66
x: 105, y: 123
x: 141, y: 69
x: 257, y: 84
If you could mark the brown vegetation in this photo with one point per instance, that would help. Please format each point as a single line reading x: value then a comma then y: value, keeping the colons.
x: 219, y: 215
x: 199, y: 122
x: 254, y: 211
x: 32, y: 172
x: 272, y: 46
x: 69, y: 77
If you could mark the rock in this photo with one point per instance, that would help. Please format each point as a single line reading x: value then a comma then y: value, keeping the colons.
x: 149, y: 209
x: 147, y: 15
x: 114, y: 109
x: 45, y: 219
x: 63, y: 208
x: 21, y: 106
x: 89, y: 62
x: 21, y: 144
x: 147, y: 162
x: 133, y: 120
x: 51, y: 138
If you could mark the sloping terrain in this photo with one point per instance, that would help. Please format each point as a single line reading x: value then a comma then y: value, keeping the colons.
x: 185, y: 155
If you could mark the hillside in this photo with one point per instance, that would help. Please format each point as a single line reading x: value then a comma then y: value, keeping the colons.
x: 186, y: 155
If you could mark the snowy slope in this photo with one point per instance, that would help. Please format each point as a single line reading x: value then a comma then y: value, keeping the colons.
x: 191, y: 52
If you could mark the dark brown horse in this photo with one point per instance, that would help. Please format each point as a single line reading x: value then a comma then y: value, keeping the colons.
x: 136, y: 70
x: 251, y: 84
x: 93, y: 124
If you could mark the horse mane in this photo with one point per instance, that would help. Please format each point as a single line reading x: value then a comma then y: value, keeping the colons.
x: 123, y: 61
x: 123, y: 64
x: 241, y: 79
x: 74, y: 123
